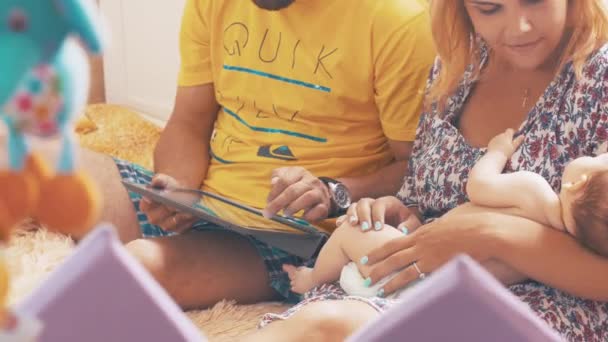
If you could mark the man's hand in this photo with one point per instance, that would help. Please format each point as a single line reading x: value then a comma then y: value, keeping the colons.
x: 161, y: 215
x: 295, y: 189
x: 504, y: 143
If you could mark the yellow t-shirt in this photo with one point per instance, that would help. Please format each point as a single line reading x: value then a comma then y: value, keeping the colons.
x: 321, y: 84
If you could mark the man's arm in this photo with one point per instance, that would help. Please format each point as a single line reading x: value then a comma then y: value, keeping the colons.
x: 183, y: 148
x: 385, y: 181
x: 295, y: 188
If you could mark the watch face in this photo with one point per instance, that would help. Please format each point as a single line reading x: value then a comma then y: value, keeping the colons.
x: 341, y: 196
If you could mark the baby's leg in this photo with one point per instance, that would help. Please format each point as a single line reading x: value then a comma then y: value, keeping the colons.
x: 327, y: 268
x: 346, y: 244
x: 357, y: 244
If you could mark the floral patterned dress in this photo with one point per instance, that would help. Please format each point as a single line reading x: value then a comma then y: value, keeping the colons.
x: 569, y: 120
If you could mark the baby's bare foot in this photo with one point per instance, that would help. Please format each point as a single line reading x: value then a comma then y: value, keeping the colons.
x: 301, y: 278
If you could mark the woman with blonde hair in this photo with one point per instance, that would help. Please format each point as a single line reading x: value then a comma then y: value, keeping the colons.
x: 539, y: 67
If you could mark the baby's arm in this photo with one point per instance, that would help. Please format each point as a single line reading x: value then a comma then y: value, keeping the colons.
x: 527, y: 192
x: 487, y: 185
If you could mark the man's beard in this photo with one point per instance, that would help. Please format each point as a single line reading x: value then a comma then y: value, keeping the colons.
x: 273, y: 5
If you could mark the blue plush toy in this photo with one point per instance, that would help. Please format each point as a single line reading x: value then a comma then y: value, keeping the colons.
x: 44, y: 82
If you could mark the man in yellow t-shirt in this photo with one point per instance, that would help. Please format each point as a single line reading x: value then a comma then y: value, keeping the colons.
x: 323, y: 85
x: 271, y: 96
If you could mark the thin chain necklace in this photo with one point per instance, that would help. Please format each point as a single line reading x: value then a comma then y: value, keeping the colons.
x: 526, y: 96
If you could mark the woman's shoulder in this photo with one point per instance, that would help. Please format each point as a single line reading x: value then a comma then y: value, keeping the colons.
x: 591, y: 96
x: 586, y: 87
x: 599, y: 57
x: 595, y: 70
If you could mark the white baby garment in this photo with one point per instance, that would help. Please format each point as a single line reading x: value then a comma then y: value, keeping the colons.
x: 352, y: 282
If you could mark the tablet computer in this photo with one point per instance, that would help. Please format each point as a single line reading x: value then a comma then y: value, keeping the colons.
x: 293, y: 235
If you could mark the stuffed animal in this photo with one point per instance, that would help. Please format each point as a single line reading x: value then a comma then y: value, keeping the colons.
x: 44, y: 83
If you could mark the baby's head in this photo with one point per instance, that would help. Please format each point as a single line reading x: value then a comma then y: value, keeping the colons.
x: 590, y: 213
x: 584, y: 198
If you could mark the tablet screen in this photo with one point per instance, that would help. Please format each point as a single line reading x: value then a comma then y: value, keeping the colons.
x: 226, y: 209
x: 240, y: 214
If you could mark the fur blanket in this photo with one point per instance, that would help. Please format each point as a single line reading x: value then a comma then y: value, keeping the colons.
x: 34, y: 252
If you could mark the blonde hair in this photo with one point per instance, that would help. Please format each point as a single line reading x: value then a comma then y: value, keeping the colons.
x: 457, y: 46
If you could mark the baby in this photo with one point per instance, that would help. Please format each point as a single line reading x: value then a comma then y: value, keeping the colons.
x: 344, y: 257
x: 581, y: 207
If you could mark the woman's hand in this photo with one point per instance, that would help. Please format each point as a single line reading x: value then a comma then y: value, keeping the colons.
x: 368, y: 213
x: 429, y: 247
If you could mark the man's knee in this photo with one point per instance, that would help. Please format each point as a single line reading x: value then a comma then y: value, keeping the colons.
x: 149, y: 254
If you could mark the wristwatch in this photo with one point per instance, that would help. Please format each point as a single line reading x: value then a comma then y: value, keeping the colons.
x: 340, y: 196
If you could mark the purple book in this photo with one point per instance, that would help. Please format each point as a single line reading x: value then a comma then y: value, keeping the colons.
x: 101, y: 293
x: 459, y: 302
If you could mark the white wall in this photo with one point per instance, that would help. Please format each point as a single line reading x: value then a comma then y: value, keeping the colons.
x: 142, y: 61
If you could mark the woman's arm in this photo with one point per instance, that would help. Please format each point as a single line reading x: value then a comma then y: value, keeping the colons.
x: 536, y: 251
x: 550, y: 256
x: 503, y: 272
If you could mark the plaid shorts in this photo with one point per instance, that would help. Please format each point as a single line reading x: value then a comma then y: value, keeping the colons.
x: 274, y: 258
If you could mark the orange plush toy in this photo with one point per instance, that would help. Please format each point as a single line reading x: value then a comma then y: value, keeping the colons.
x: 44, y: 83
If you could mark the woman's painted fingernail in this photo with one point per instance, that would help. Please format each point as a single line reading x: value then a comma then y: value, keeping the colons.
x: 378, y: 225
x: 365, y: 226
x: 380, y: 293
x: 364, y: 260
x: 367, y: 282
x: 405, y: 231
x: 352, y: 219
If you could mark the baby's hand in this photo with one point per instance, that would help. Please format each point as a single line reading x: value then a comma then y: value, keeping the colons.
x: 505, y: 143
